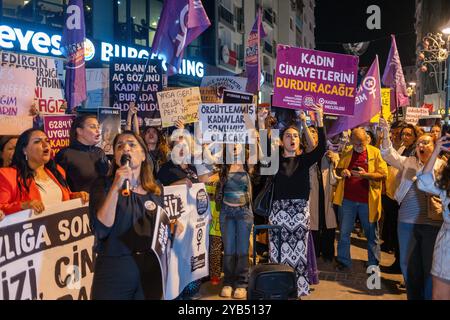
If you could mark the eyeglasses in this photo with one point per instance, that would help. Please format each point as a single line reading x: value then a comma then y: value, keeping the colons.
x: 424, y: 142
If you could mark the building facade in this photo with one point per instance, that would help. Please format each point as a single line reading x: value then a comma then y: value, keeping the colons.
x: 125, y: 28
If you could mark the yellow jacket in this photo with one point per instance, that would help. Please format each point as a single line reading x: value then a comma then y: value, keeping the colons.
x: 375, y: 164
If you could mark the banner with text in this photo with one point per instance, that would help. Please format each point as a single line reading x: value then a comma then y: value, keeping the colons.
x: 180, y: 104
x: 125, y: 79
x: 306, y: 77
x: 227, y: 123
x: 210, y: 95
x: 225, y: 82
x: 57, y: 128
x: 17, y: 86
x: 414, y: 114
x: 49, y: 78
x: 47, y: 256
x: 238, y: 97
x: 189, y: 259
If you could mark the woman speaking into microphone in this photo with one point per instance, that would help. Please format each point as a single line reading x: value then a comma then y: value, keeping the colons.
x: 123, y: 209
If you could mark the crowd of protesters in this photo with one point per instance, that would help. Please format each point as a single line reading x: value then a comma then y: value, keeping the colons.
x: 394, y: 182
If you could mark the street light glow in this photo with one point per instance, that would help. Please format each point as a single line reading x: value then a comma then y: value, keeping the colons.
x: 446, y: 28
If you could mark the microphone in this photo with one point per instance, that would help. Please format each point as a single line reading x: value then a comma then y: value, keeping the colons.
x: 125, y: 161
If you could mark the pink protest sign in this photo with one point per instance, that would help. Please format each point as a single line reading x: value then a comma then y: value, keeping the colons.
x: 304, y: 77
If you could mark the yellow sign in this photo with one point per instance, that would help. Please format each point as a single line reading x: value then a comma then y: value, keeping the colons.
x: 386, y: 106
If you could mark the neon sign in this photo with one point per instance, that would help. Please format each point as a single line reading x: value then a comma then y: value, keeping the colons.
x: 43, y: 43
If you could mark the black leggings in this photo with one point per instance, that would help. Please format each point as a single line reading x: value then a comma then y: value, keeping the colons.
x: 136, y: 277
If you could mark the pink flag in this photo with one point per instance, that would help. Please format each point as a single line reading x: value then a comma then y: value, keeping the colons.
x: 367, y: 102
x: 252, y: 54
x: 394, y: 78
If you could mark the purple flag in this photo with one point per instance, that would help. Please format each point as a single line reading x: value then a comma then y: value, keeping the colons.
x: 181, y: 22
x: 72, y: 46
x: 252, y: 60
x: 394, y: 78
x: 367, y: 102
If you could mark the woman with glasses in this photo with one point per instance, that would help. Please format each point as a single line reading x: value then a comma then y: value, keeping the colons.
x: 418, y: 224
x: 82, y: 160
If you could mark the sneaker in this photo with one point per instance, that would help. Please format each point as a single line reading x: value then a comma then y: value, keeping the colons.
x: 215, y: 281
x: 240, y: 293
x: 226, y: 292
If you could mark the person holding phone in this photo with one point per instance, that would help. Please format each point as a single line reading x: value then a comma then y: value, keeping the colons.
x: 359, y: 193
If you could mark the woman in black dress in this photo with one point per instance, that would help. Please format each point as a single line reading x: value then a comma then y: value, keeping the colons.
x: 290, y: 207
x: 126, y: 267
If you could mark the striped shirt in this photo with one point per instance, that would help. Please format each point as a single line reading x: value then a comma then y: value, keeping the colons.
x: 414, y: 208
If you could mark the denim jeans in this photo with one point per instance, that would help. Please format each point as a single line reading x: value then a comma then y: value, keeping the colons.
x: 347, y: 216
x: 416, y: 257
x: 235, y: 225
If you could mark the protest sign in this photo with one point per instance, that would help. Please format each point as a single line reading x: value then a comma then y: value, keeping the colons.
x: 413, y: 114
x: 17, y: 86
x: 109, y: 120
x: 47, y: 256
x: 210, y: 95
x: 385, y: 106
x: 15, y: 125
x: 211, y: 185
x: 227, y: 123
x: 225, y: 82
x: 180, y: 104
x: 306, y: 77
x: 57, y: 129
x: 237, y: 97
x: 189, y: 259
x: 49, y: 79
x: 97, y: 86
x: 161, y: 243
x: 125, y: 79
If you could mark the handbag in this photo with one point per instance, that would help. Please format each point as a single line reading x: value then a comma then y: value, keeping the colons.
x: 263, y: 201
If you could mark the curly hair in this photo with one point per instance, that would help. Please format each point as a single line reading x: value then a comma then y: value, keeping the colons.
x: 443, y: 181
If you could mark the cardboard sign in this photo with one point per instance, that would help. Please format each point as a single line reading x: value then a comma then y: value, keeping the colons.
x: 413, y: 114
x: 17, y: 86
x: 180, y: 104
x: 227, y: 123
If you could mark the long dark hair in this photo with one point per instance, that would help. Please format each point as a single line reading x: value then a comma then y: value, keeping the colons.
x: 443, y: 180
x: 78, y: 122
x: 24, y: 172
x: 162, y: 149
x: 147, y: 180
x: 3, y: 141
x: 224, y: 170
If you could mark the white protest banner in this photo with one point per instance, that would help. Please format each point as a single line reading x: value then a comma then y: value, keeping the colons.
x: 97, y: 87
x: 189, y: 254
x: 227, y: 123
x: 47, y: 256
x: 180, y: 104
x: 49, y: 78
x: 15, y: 125
x: 225, y: 82
x: 413, y: 114
x: 17, y: 87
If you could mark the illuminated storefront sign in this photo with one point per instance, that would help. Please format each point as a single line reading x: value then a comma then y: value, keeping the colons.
x: 12, y: 38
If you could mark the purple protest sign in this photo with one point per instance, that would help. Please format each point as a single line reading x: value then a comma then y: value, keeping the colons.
x: 304, y: 77
x: 57, y: 129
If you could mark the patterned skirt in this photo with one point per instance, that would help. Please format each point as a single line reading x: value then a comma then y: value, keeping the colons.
x: 293, y: 216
